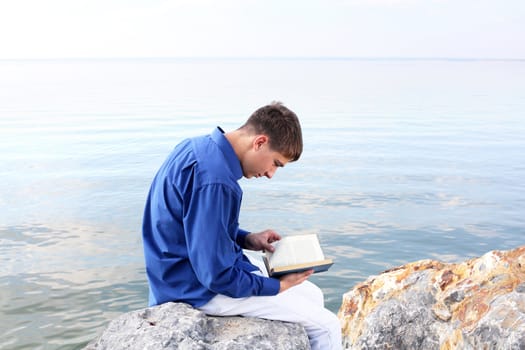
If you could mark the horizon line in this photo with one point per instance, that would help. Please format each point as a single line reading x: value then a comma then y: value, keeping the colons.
x: 270, y: 58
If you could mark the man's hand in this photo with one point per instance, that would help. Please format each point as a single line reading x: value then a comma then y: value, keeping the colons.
x: 261, y: 240
x: 293, y: 279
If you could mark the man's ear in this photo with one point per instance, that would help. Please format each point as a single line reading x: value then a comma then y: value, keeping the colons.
x: 259, y: 141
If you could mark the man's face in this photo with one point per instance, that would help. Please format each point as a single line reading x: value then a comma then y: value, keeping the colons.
x: 261, y: 160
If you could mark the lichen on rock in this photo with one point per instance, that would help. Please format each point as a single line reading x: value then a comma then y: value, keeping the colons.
x: 428, y: 304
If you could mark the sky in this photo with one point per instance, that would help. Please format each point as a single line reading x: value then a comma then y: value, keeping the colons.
x: 33, y: 29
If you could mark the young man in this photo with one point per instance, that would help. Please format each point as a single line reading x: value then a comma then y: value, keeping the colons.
x: 192, y: 241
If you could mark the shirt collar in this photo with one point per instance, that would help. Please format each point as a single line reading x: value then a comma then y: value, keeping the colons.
x: 229, y: 154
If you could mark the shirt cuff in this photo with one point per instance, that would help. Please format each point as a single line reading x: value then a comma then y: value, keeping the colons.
x: 271, y: 286
x: 241, y: 237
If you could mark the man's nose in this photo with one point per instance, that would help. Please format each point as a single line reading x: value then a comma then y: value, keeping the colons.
x: 269, y: 173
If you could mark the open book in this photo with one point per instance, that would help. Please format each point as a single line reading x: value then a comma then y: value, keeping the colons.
x: 295, y: 254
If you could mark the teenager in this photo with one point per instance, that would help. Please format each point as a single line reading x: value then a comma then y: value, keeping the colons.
x: 193, y: 244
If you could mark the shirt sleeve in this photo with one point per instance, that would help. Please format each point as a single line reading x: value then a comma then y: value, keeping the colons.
x: 211, y: 230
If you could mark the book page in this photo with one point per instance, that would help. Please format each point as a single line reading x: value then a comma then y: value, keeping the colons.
x: 297, y: 249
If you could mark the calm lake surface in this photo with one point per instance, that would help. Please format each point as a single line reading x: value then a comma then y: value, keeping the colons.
x: 404, y: 160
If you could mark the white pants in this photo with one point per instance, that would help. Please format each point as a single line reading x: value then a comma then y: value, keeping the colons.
x: 302, y: 304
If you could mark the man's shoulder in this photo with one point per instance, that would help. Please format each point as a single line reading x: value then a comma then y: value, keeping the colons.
x: 190, y: 148
x: 208, y: 158
x: 203, y: 160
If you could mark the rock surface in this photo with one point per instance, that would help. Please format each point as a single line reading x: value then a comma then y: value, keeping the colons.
x: 179, y: 326
x: 477, y: 304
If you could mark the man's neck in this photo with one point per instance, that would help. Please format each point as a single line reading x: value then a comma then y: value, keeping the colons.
x: 241, y: 142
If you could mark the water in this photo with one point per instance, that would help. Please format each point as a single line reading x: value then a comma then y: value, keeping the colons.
x: 404, y: 160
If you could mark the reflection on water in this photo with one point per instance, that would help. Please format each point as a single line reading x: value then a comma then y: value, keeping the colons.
x: 59, y: 286
x: 41, y: 311
x: 400, y: 164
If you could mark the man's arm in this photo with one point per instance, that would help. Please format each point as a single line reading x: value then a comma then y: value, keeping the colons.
x: 212, y: 249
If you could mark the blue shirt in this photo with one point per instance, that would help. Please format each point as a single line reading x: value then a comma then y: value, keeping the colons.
x: 191, y: 235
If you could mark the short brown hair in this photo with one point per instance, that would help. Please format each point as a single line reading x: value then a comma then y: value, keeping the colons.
x: 282, y: 127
